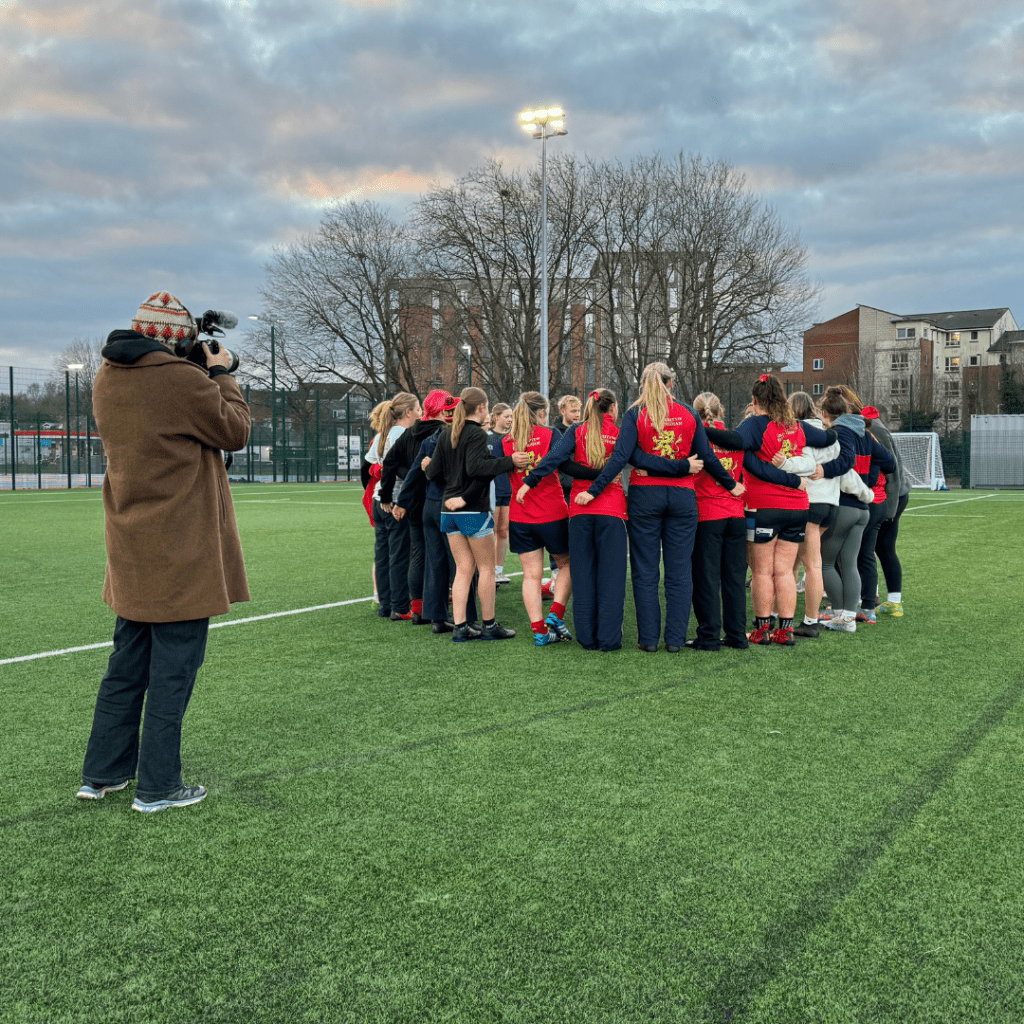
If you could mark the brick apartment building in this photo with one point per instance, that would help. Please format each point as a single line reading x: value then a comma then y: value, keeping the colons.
x: 948, y: 363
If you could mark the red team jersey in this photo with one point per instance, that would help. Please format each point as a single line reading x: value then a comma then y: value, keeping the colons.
x: 544, y: 503
x: 713, y: 500
x: 673, y: 441
x: 612, y: 500
x: 761, y: 493
x: 880, y: 490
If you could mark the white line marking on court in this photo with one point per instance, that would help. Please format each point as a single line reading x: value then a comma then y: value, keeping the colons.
x: 943, y: 504
x: 952, y: 515
x: 214, y: 625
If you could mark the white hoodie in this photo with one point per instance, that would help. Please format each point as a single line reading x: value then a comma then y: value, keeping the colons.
x: 826, y: 491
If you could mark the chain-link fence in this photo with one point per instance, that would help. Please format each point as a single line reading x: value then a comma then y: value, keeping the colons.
x: 48, y: 437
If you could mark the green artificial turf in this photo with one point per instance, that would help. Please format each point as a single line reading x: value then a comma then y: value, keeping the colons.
x: 402, y: 829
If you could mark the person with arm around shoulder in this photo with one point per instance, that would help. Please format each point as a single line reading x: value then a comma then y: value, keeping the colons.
x: 662, y: 508
x: 174, y: 558
x: 462, y: 456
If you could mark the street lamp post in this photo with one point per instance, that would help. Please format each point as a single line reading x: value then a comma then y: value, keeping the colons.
x: 543, y: 123
x: 78, y: 429
x: 469, y: 362
x: 273, y: 394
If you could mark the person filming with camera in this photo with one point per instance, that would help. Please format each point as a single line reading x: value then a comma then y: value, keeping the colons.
x: 166, y: 407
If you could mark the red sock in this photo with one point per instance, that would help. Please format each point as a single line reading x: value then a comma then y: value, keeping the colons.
x: 538, y: 627
x: 417, y: 607
x: 558, y: 610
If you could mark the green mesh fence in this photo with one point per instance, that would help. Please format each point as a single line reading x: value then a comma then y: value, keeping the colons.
x: 48, y: 438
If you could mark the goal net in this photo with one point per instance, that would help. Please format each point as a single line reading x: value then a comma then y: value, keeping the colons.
x: 922, y: 460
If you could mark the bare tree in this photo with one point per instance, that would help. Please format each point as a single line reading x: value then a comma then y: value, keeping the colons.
x: 339, y: 293
x: 84, y: 351
x: 480, y: 241
x: 691, y: 269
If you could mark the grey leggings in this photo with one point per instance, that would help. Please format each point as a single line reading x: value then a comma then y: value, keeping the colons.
x: 841, y: 543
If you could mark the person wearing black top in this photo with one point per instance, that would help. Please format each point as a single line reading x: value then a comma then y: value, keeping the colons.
x: 396, y: 466
x: 463, y: 458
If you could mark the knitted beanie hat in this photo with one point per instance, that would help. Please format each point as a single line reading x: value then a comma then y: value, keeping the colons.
x: 163, y: 318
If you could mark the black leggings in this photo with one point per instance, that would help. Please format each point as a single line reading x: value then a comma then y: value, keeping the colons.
x: 885, y: 547
x: 866, y: 564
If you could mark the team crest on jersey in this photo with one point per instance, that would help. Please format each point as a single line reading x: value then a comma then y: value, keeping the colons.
x: 727, y: 463
x: 535, y: 459
x: 664, y: 444
x: 786, y: 448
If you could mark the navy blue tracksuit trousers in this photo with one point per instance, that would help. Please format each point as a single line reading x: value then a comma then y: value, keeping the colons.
x: 391, y: 557
x: 662, y: 523
x: 439, y: 568
x: 597, y: 557
x: 719, y: 574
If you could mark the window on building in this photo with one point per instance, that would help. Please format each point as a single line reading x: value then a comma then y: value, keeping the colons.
x: 464, y: 296
x: 953, y: 412
x: 515, y: 299
x: 819, y: 364
x: 974, y: 335
x: 435, y: 321
x: 817, y: 389
x: 952, y: 364
x: 906, y: 332
x: 435, y: 300
x: 924, y: 334
x: 952, y: 389
x: 899, y: 361
x: 899, y: 386
x: 974, y: 361
x: 588, y: 322
x: 953, y: 341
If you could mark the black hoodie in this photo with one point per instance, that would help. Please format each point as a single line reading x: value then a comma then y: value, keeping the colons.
x: 399, y: 459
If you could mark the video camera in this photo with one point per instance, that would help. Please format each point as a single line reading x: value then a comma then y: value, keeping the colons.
x: 212, y: 323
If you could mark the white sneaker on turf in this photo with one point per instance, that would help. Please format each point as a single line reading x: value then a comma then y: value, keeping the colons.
x: 500, y: 577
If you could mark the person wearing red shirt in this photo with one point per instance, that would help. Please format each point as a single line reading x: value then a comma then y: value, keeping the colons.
x: 538, y: 519
x: 720, y: 548
x: 662, y: 510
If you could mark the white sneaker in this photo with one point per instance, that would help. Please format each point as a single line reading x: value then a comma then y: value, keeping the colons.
x: 841, y: 624
x: 802, y: 585
x: 500, y: 577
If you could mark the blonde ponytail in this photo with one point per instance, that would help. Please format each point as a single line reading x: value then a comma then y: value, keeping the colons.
x: 524, y: 418
x: 599, y: 404
x: 393, y: 411
x: 654, y: 393
x: 469, y: 401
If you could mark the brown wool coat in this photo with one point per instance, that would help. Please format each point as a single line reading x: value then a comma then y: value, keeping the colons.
x: 173, y: 551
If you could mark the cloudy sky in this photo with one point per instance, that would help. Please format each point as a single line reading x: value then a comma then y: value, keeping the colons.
x: 172, y: 144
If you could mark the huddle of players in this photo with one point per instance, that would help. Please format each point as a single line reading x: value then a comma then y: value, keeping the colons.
x: 792, y: 482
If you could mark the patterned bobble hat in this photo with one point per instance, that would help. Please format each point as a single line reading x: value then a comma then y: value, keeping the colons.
x: 163, y: 318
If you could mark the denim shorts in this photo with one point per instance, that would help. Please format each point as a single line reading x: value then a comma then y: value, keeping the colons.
x: 469, y: 524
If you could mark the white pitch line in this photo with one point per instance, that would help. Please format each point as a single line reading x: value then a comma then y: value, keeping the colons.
x: 215, y: 625
x: 944, y: 504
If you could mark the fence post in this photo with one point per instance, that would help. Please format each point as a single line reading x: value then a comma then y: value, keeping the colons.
x: 732, y: 422
x: 39, y: 451
x: 88, y: 449
x: 318, y: 437
x: 965, y: 460
x: 348, y: 434
x: 14, y: 439
x: 67, y: 421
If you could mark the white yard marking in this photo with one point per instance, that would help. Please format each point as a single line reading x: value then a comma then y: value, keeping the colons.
x: 943, y: 504
x: 214, y: 625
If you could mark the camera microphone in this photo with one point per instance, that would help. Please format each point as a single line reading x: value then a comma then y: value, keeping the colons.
x: 214, y: 319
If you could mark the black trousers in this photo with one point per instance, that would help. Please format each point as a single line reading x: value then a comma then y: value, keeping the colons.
x: 416, y: 559
x: 156, y: 664
x: 885, y: 547
x: 597, y: 556
x: 439, y: 568
x: 391, y: 557
x: 719, y: 572
x: 866, y: 563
